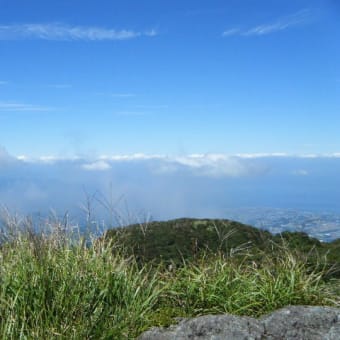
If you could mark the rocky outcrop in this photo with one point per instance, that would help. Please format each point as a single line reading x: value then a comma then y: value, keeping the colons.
x: 291, y: 323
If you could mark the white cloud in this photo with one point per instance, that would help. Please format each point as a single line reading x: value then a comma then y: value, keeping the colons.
x: 97, y: 166
x: 193, y: 185
x: 86, y: 161
x: 311, y: 155
x: 324, y: 155
x: 281, y: 24
x: 287, y: 155
x: 193, y: 160
x: 63, y: 32
x: 132, y: 157
x: 206, y: 165
x: 262, y: 155
x: 231, y: 31
x: 211, y: 165
x: 20, y: 107
x: 300, y: 172
x: 49, y: 159
x: 215, y: 165
x: 23, y: 158
x: 335, y: 155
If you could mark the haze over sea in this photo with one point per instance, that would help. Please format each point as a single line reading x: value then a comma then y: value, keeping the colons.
x: 194, y: 108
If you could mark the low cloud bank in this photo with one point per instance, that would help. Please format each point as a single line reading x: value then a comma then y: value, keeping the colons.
x: 200, y: 185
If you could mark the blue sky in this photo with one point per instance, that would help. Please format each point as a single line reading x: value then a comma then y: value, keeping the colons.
x: 92, y: 78
x: 187, y: 108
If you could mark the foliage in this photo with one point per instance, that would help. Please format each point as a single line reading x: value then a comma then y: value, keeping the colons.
x: 177, y: 241
x: 56, y: 285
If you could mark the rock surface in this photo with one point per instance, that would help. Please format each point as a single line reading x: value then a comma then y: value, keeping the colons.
x: 291, y: 323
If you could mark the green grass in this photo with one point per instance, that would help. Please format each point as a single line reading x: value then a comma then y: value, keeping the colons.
x: 72, y: 291
x: 220, y: 285
x: 54, y: 286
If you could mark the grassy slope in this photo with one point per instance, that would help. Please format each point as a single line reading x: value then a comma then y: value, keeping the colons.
x: 53, y: 286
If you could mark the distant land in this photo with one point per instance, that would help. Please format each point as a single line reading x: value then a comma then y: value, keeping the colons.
x: 325, y: 226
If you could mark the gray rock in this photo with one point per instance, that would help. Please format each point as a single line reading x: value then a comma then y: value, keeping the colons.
x: 302, y: 322
x: 214, y: 327
x: 291, y: 323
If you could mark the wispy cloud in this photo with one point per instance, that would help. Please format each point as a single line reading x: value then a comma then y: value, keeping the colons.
x: 60, y: 86
x: 206, y: 165
x: 49, y: 159
x: 231, y: 31
x: 63, y: 32
x: 214, y: 165
x: 132, y: 157
x: 281, y: 24
x: 192, y: 160
x: 196, y: 165
x: 263, y: 155
x: 19, y: 107
x: 288, y: 155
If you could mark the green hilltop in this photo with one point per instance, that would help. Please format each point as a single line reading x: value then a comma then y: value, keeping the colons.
x: 186, y: 239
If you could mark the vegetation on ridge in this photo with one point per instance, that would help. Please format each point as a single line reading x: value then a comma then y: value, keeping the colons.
x: 54, y: 285
x: 176, y: 241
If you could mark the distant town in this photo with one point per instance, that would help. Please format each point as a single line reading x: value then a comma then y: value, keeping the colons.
x: 323, y: 226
